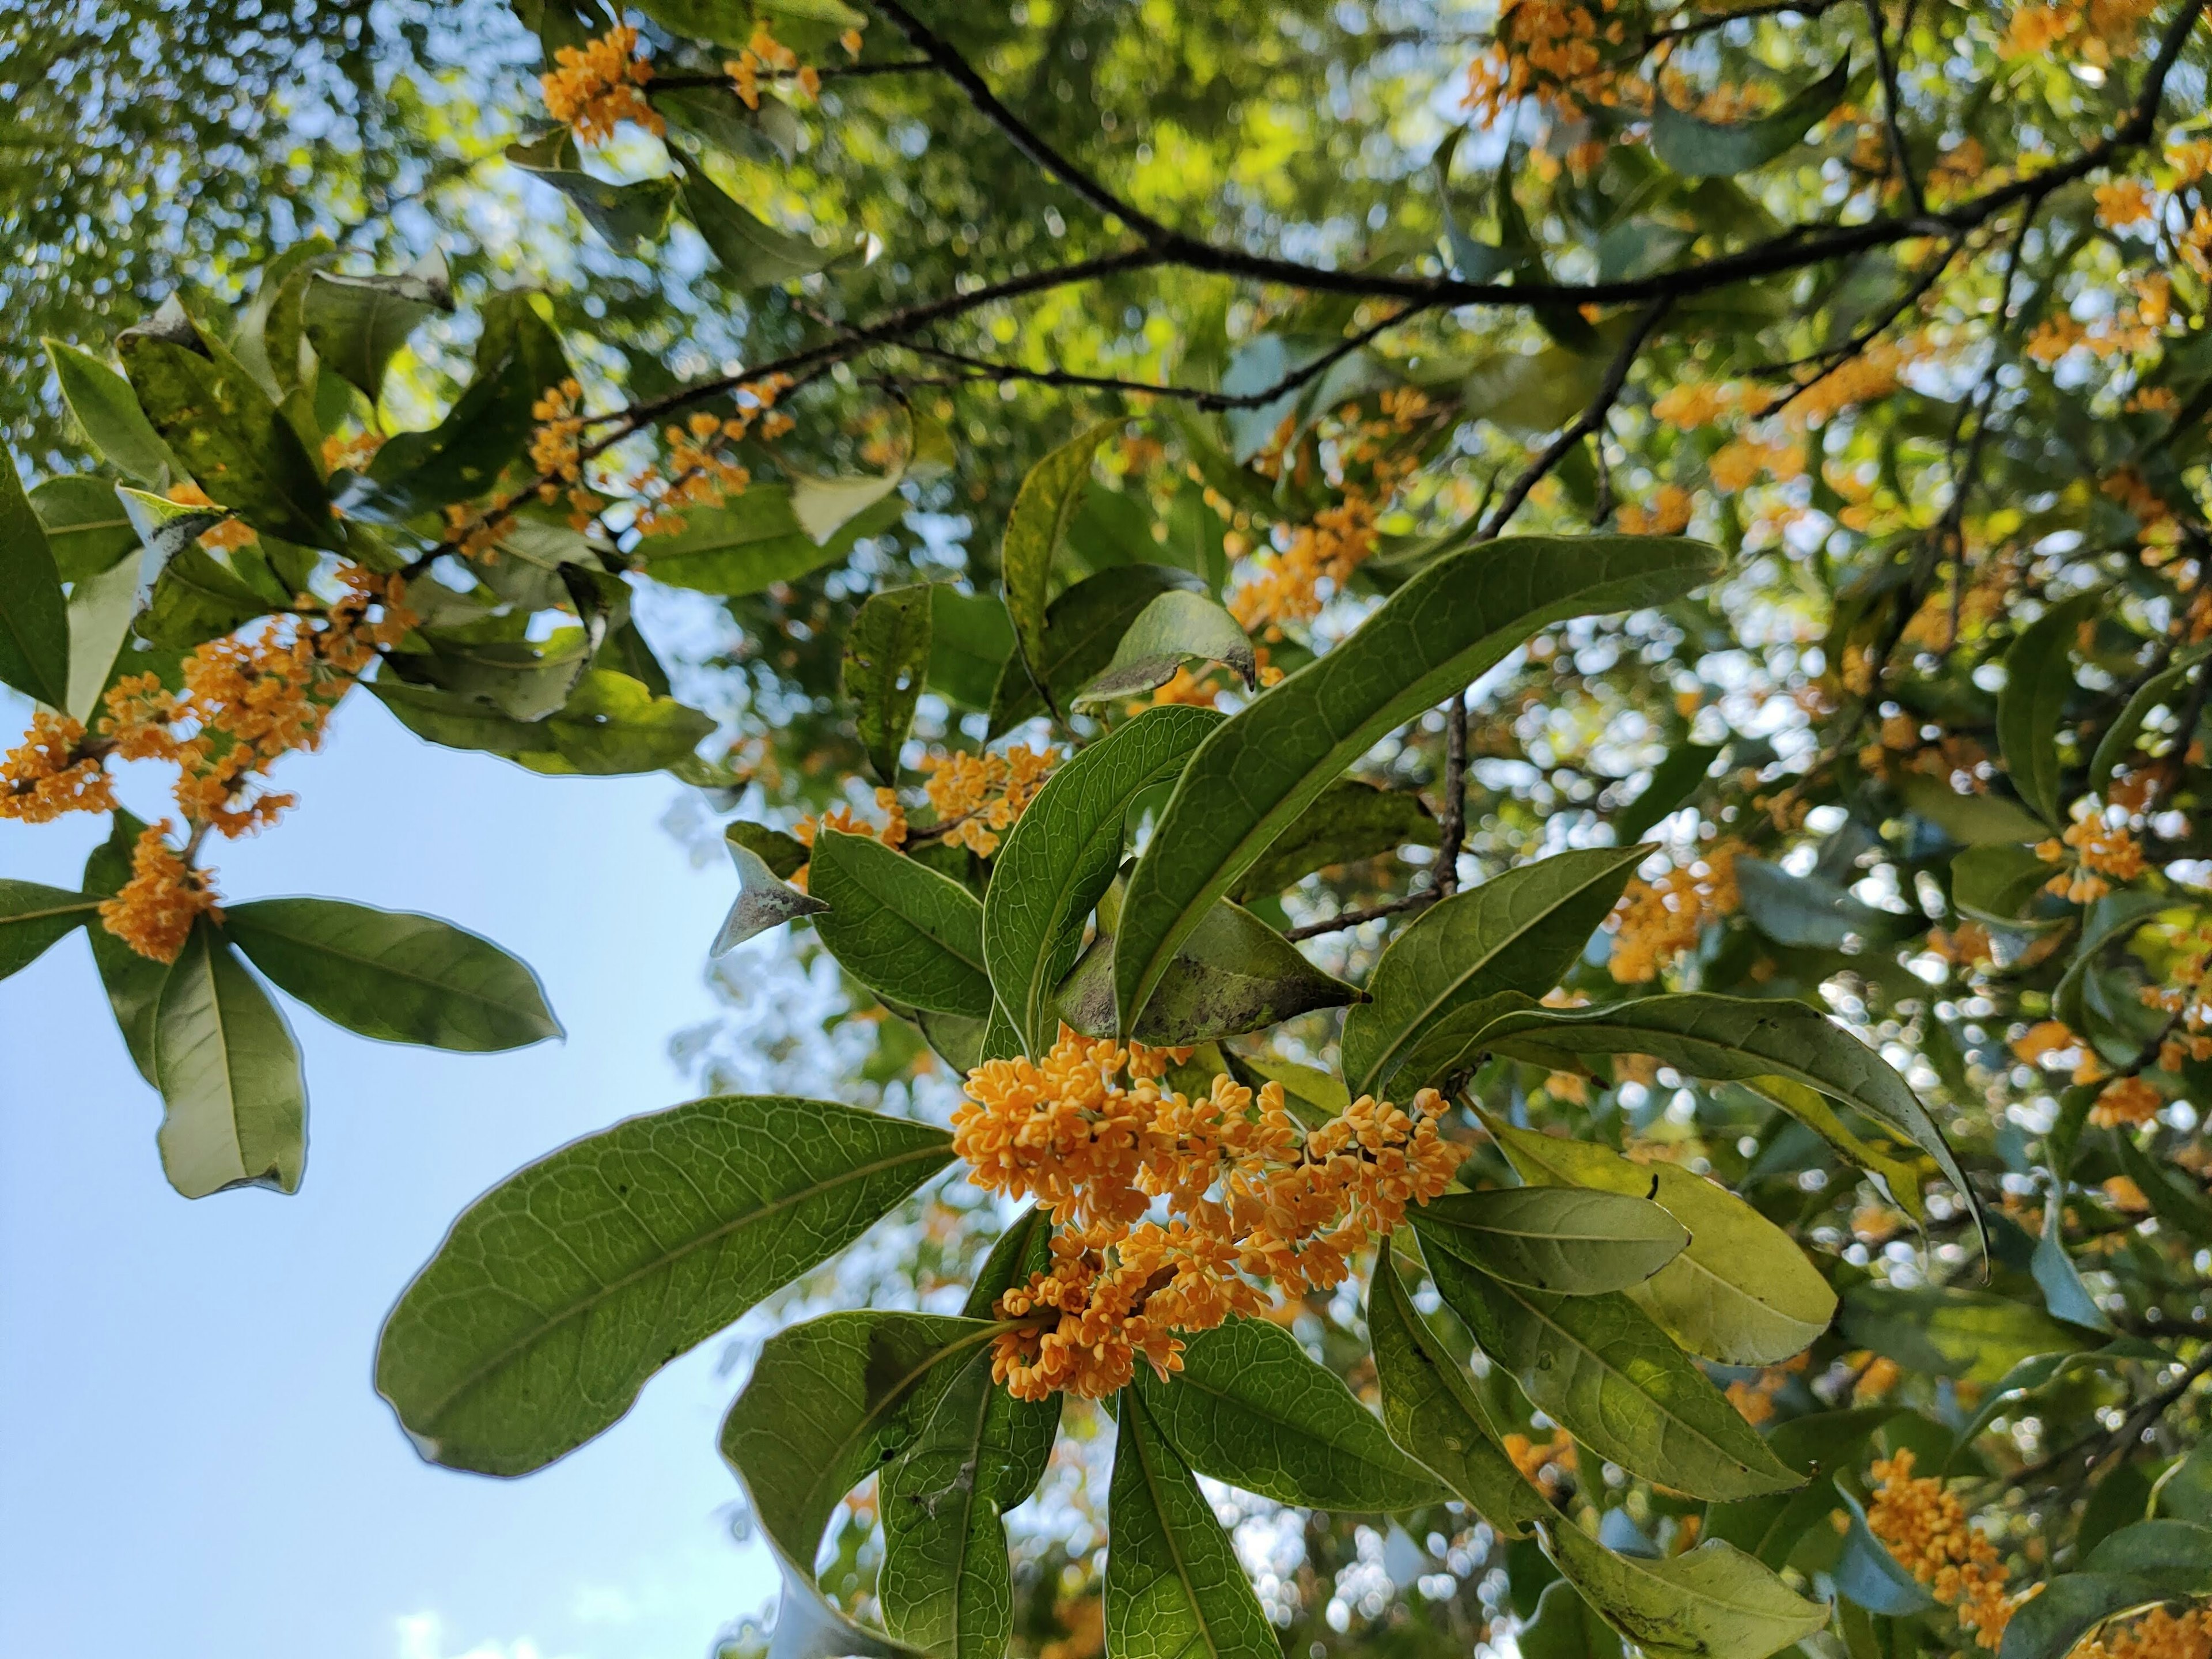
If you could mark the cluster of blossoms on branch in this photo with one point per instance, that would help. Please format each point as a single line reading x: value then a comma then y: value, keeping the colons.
x: 1925, y: 1527
x: 1093, y: 1133
x: 244, y: 703
x: 595, y: 88
x: 978, y: 797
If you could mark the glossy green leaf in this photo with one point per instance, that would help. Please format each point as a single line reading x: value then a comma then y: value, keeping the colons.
x: 1714, y: 1602
x: 947, y: 1585
x: 102, y: 609
x: 829, y: 1402
x: 1675, y: 780
x: 1995, y: 884
x: 2038, y: 678
x: 1348, y: 821
x: 1975, y: 1336
x: 970, y: 639
x: 133, y: 982
x: 86, y: 529
x: 2174, y: 1196
x: 1738, y: 1038
x: 886, y: 659
x: 1698, y: 149
x: 1035, y: 527
x: 1176, y: 628
x: 2073, y: 1606
x: 626, y: 215
x: 221, y: 424
x: 390, y: 975
x: 1251, y: 1408
x: 488, y: 429
x: 753, y: 541
x: 560, y: 1292
x: 234, y: 1106
x: 1252, y: 779
x: 2108, y: 920
x: 1082, y: 627
x: 1233, y: 973
x: 107, y: 412
x: 357, y: 323
x: 34, y: 632
x: 1969, y: 819
x: 1519, y: 931
x: 1576, y: 1241
x: 752, y: 252
x: 1058, y: 858
x: 1899, y: 1178
x: 1813, y: 914
x: 1867, y: 1573
x: 612, y: 724
x: 764, y: 900
x: 1741, y: 1293
x: 197, y: 598
x: 2064, y: 1293
x: 1566, y: 1626
x: 785, y: 855
x: 33, y: 918
x: 1600, y: 1365
x: 2159, y: 691
x: 1430, y: 1409
x: 1174, y: 1588
x: 908, y: 934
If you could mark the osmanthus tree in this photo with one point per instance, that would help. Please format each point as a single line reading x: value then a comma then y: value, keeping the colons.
x: 1336, y: 439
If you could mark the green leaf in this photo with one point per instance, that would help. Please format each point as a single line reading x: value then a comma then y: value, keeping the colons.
x: 1899, y: 1179
x: 1970, y: 820
x: 1675, y: 780
x: 1742, y: 1293
x: 764, y: 900
x: 1233, y: 973
x: 1576, y: 1241
x: 488, y: 428
x: 970, y: 639
x: 457, y: 722
x: 1995, y: 883
x: 1813, y: 914
x: 1975, y: 1336
x: 1061, y: 855
x: 2179, y: 1552
x: 560, y: 1292
x: 2119, y: 740
x: 2114, y: 917
x: 1599, y: 1365
x: 908, y: 934
x: 1251, y: 1408
x: 34, y: 633
x: 102, y: 609
x: 234, y: 1106
x: 1520, y: 930
x: 2071, y: 1607
x: 752, y: 252
x: 885, y: 659
x: 1867, y: 1573
x: 1727, y: 1039
x: 732, y: 22
x: 753, y: 541
x: 197, y: 598
x: 133, y: 982
x: 107, y: 411
x: 1042, y: 506
x: 1566, y: 1626
x: 785, y: 855
x: 33, y: 918
x: 1175, y: 627
x: 945, y: 1585
x: 393, y: 975
x: 2053, y: 1270
x: 1253, y: 778
x: 1430, y: 1409
x: 86, y: 529
x: 1714, y: 1602
x: 1698, y: 149
x: 230, y: 437
x: 357, y: 323
x: 612, y: 724
x: 1082, y: 627
x: 2175, y: 1198
x: 829, y: 1402
x: 2038, y: 677
x: 1174, y: 1588
x: 1349, y: 820
x: 626, y: 216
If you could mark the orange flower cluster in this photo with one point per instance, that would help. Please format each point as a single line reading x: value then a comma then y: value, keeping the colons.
x: 978, y: 796
x: 2135, y: 326
x: 2159, y: 1634
x: 556, y: 450
x: 1547, y: 1465
x: 1925, y: 1527
x: 1667, y: 515
x: 765, y: 54
x: 1284, y: 586
x: 1547, y: 50
x: 2127, y: 1101
x: 49, y: 774
x: 1249, y: 1198
x: 1754, y: 1397
x: 230, y: 533
x: 352, y: 454
x: 695, y: 474
x: 2097, y: 32
x: 845, y: 822
x: 153, y: 912
x: 2100, y: 849
x: 593, y: 88
x: 1657, y: 921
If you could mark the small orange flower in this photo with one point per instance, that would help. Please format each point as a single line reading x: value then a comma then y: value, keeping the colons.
x: 153, y: 912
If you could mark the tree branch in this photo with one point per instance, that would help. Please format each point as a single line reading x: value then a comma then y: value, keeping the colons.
x: 1888, y: 70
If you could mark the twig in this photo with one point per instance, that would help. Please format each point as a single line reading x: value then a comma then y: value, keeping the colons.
x: 1453, y: 825
x: 1888, y: 70
x: 1344, y: 919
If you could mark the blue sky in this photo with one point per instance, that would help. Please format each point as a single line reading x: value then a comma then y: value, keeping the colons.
x: 198, y: 1464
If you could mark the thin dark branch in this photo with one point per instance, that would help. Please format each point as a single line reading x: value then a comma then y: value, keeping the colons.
x: 1347, y: 919
x: 1453, y: 825
x: 1722, y: 19
x: 1601, y: 405
x: 1886, y: 69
